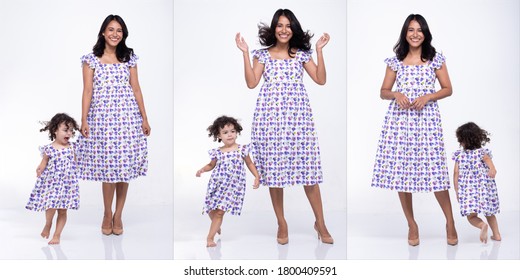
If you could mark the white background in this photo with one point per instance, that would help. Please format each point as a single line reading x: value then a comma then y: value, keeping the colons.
x: 42, y: 42
x: 480, y: 40
x: 209, y: 82
x: 41, y: 76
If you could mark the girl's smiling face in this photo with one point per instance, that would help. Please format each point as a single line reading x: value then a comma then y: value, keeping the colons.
x: 228, y: 134
x: 283, y: 32
x: 64, y: 133
x: 113, y: 34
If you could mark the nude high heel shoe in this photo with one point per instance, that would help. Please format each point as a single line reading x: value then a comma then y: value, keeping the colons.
x: 324, y: 239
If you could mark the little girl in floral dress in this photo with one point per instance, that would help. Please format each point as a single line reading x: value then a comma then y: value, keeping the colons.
x: 227, y: 184
x: 56, y: 188
x: 474, y: 179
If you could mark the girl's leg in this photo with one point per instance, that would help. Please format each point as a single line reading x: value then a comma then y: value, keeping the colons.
x: 60, y: 224
x: 475, y: 221
x: 314, y: 196
x: 492, y: 221
x: 443, y: 197
x: 49, y: 215
x: 413, y: 229
x: 108, y: 197
x: 121, y: 191
x: 282, y: 235
x: 216, y: 223
x: 211, y: 215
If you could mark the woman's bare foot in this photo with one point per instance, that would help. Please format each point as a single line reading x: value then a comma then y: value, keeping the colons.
x: 55, y: 240
x: 496, y: 237
x: 106, y: 226
x: 210, y: 243
x: 46, y: 231
x: 452, y: 237
x: 483, y: 233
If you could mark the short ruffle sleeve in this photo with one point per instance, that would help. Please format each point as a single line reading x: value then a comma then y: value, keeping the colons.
x: 261, y: 55
x: 304, y: 56
x: 90, y: 59
x: 484, y: 152
x: 456, y: 155
x: 245, y: 150
x: 45, y: 150
x: 133, y: 60
x: 438, y: 60
x: 393, y: 63
x: 213, y: 154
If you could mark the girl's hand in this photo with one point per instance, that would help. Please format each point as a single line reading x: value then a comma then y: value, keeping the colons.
x: 84, y: 130
x: 324, y: 39
x: 418, y: 103
x: 39, y: 170
x: 402, y: 100
x: 199, y: 172
x: 256, y: 184
x: 146, y: 128
x: 492, y: 173
x: 241, y: 44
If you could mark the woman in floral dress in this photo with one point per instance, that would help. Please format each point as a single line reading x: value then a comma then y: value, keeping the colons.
x: 285, y: 143
x: 114, y: 124
x: 410, y: 156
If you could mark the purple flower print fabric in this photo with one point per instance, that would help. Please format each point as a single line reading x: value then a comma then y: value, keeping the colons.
x: 116, y: 150
x: 285, y: 142
x: 227, y: 184
x: 410, y: 155
x: 477, y: 191
x: 57, y: 187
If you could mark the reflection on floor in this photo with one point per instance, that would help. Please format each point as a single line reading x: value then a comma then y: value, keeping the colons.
x: 383, y: 236
x: 253, y: 236
x: 148, y: 235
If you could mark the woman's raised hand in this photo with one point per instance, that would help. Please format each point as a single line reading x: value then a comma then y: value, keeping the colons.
x: 324, y: 39
x: 241, y: 43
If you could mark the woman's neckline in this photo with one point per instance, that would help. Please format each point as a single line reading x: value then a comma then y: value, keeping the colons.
x: 100, y: 62
x: 271, y: 57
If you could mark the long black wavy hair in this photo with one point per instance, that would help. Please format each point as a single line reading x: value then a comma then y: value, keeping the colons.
x: 220, y: 122
x: 402, y: 47
x: 54, y: 123
x: 300, y: 39
x: 123, y: 53
x: 471, y: 136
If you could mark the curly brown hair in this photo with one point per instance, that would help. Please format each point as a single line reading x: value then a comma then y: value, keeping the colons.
x: 55, y: 122
x: 471, y: 136
x: 219, y: 123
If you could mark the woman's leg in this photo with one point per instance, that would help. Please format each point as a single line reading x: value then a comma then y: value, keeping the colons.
x: 277, y: 199
x: 216, y: 223
x: 60, y: 224
x: 49, y: 215
x: 108, y: 197
x: 121, y: 191
x: 475, y: 221
x: 443, y: 197
x: 493, y: 224
x: 413, y: 229
x: 314, y: 196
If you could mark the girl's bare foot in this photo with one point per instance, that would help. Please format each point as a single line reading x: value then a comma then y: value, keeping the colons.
x: 55, y: 240
x: 483, y: 233
x: 46, y: 231
x: 210, y: 243
x: 496, y: 237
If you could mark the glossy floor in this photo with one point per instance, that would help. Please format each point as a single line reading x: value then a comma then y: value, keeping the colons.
x: 384, y: 236
x: 147, y: 236
x: 253, y: 236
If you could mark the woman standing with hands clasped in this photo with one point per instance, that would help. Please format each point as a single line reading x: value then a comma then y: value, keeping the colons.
x: 114, y: 125
x: 285, y: 143
x: 410, y: 157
